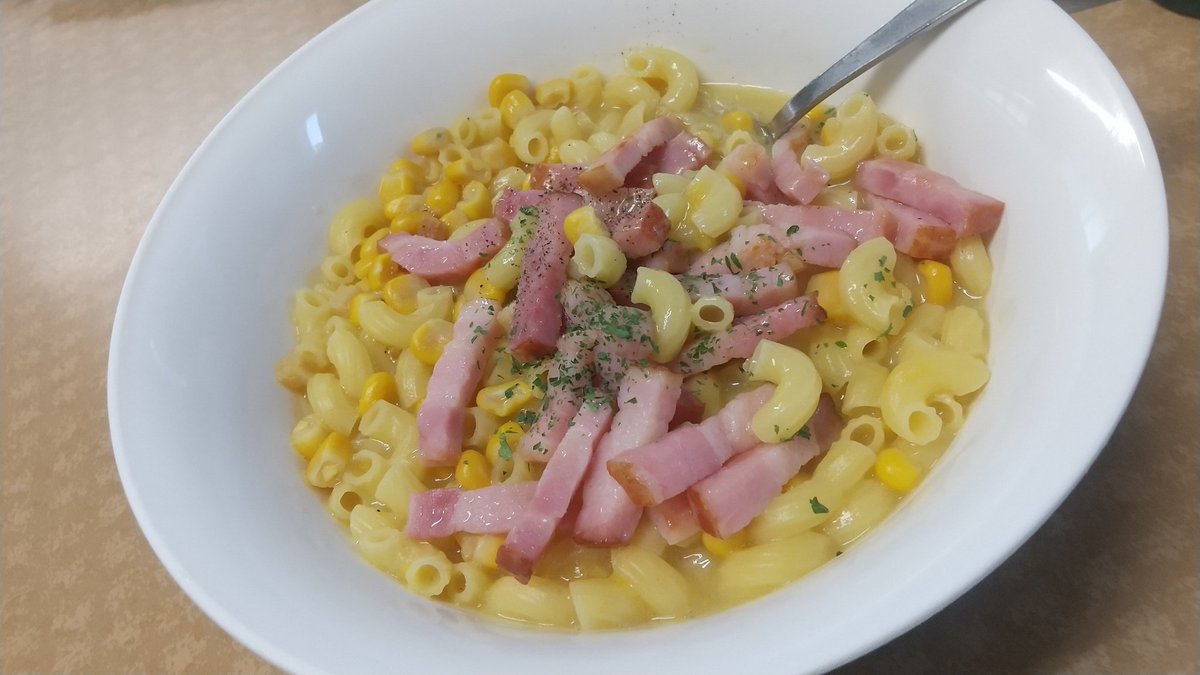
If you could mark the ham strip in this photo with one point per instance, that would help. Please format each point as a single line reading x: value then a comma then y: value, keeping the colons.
x: 452, y: 385
x: 749, y: 164
x: 569, y: 375
x: 535, y: 526
x: 657, y: 471
x: 642, y: 232
x: 728, y: 500
x: 609, y: 171
x: 684, y: 152
x: 739, y: 340
x: 672, y: 257
x: 751, y: 292
x: 800, y: 178
x: 645, y: 401
x: 445, y: 262
x: 537, y: 318
x: 766, y: 244
x: 918, y: 233
x: 967, y: 211
x: 438, y: 513
x: 675, y: 519
x: 556, y: 177
x: 512, y: 201
x: 860, y: 224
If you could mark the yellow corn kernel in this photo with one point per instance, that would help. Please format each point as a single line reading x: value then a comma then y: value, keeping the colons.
x: 429, y: 340
x: 937, y: 280
x: 329, y: 461
x: 442, y: 196
x: 308, y: 434
x: 379, y: 387
x: 369, y: 247
x: 400, y: 293
x: 503, y: 83
x: 431, y: 141
x: 515, y: 107
x: 400, y: 206
x: 825, y: 285
x: 895, y: 470
x: 581, y: 221
x: 723, y: 547
x: 380, y: 270
x: 734, y: 180
x: 356, y: 302
x: 472, y: 471
x: 506, y: 398
x: 503, y: 443
x: 738, y: 120
x: 455, y: 219
x: 408, y: 223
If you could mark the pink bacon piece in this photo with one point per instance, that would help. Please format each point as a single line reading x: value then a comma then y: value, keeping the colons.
x: 672, y: 257
x: 798, y: 177
x: 684, y: 152
x: 860, y: 224
x: 609, y: 171
x: 556, y: 177
x: 918, y: 234
x: 535, y: 526
x: 645, y: 402
x: 967, y: 211
x: 751, y: 292
x: 637, y: 225
x: 453, y: 382
x: 675, y: 519
x: 441, y: 512
x: 570, y: 373
x: 728, y: 500
x: 538, y: 316
x: 512, y: 201
x: 657, y: 471
x: 739, y: 340
x: 750, y: 164
x: 764, y: 245
x: 445, y: 262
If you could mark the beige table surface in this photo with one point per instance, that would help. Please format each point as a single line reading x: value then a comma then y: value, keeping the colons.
x: 101, y: 103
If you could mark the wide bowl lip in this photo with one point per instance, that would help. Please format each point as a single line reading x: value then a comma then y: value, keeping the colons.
x: 288, y: 660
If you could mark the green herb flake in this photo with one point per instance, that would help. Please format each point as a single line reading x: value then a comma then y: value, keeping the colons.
x: 793, y: 230
x: 508, y: 393
x: 505, y: 450
x: 817, y: 506
x: 879, y: 277
x: 841, y: 343
x: 907, y: 310
x: 531, y: 211
x: 804, y: 432
x: 526, y: 418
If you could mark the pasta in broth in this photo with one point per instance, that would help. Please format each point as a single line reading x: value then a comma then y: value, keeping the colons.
x: 598, y: 355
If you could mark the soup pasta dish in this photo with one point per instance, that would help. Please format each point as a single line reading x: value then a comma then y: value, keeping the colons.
x: 601, y: 353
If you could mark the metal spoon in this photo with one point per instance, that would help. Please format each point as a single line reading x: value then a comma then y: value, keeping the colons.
x: 913, y: 20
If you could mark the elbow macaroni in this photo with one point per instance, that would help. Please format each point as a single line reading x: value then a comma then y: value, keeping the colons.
x: 670, y: 310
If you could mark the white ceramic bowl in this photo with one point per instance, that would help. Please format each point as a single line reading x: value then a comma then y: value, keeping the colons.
x: 1012, y: 98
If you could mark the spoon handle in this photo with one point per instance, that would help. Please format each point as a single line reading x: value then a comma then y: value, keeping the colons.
x: 918, y: 17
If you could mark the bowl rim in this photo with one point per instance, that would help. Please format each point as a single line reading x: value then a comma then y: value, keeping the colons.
x: 278, y: 655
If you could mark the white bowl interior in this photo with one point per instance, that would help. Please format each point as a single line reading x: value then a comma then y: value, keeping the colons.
x: 200, y: 427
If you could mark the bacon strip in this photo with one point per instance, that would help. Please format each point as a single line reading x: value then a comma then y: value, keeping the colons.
x: 445, y: 262
x: 750, y: 164
x: 441, y: 512
x: 728, y: 500
x: 453, y: 382
x: 751, y: 292
x: 764, y: 245
x: 534, y: 527
x: 556, y: 177
x: 537, y: 318
x: 739, y: 340
x: 860, y: 224
x: 671, y: 257
x: 675, y: 519
x: 512, y: 201
x: 645, y: 402
x: 967, y: 211
x: 684, y: 152
x: 568, y: 377
x: 800, y: 178
x: 918, y: 233
x: 609, y: 171
x: 657, y: 471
